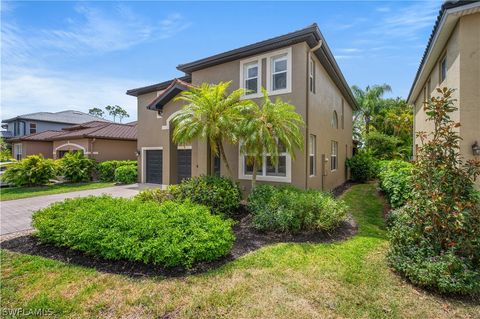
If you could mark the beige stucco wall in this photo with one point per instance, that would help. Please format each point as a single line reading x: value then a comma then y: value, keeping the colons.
x: 35, y: 148
x: 326, y: 99
x: 463, y: 74
x: 106, y: 150
x: 70, y: 145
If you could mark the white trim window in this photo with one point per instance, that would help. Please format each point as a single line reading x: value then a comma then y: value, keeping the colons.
x: 251, y: 78
x: 443, y: 68
x: 334, y: 122
x: 334, y: 156
x: 312, y: 76
x: 279, y: 72
x: 313, y: 154
x: 281, y: 172
x: 17, y: 151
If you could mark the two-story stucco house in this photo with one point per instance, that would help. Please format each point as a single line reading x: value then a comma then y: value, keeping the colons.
x: 297, y: 67
x: 452, y: 59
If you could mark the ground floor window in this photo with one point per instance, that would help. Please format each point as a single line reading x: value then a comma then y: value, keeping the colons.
x: 333, y: 156
x: 17, y: 151
x: 267, y: 170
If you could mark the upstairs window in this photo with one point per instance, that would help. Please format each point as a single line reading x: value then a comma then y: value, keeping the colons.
x: 335, y: 120
x: 279, y: 72
x: 33, y: 128
x: 250, y: 76
x: 443, y: 69
x: 312, y: 76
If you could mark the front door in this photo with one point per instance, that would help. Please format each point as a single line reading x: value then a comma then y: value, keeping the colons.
x: 184, y: 164
x: 154, y: 164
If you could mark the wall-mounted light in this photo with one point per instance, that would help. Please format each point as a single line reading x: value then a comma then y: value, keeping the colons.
x: 476, y: 149
x: 137, y: 153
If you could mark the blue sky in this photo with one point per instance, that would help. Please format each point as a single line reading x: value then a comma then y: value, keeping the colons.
x: 77, y: 55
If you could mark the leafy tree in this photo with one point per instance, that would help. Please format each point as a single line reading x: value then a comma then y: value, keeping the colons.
x: 212, y: 114
x: 5, y: 151
x: 435, y: 237
x: 116, y: 111
x: 267, y: 127
x: 369, y: 102
x: 95, y: 111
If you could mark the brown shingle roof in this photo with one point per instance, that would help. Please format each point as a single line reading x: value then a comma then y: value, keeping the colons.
x: 42, y: 136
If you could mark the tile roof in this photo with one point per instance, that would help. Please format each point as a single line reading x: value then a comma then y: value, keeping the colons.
x: 67, y: 117
x: 94, y: 129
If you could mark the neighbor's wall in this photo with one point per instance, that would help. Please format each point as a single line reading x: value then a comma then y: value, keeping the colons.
x: 107, y: 150
x: 452, y: 80
x: 70, y: 145
x: 36, y: 148
x: 469, y: 84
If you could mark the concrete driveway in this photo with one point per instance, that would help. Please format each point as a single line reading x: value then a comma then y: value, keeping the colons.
x: 16, y: 215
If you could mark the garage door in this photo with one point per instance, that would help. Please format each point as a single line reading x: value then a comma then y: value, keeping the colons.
x: 184, y: 164
x: 154, y: 163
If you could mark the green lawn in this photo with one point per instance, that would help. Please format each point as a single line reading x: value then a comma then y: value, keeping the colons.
x: 348, y: 279
x: 9, y: 193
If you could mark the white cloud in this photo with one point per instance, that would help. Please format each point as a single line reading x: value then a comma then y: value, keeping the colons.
x: 349, y: 50
x: 26, y: 91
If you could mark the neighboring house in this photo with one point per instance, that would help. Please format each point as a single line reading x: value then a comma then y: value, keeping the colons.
x: 101, y: 141
x: 43, y: 121
x: 297, y: 67
x: 452, y: 59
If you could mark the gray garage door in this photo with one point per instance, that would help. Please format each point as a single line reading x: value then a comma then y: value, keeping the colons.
x: 184, y: 164
x: 154, y: 163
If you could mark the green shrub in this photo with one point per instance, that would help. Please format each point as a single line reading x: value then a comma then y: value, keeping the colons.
x: 75, y: 167
x: 107, y: 169
x: 382, y: 146
x: 363, y: 167
x: 170, y: 234
x: 126, y: 174
x: 289, y: 209
x: 435, y: 238
x: 154, y: 194
x: 395, y: 180
x: 220, y: 194
x: 30, y: 171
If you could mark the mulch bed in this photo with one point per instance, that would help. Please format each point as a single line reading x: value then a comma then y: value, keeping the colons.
x: 247, y: 239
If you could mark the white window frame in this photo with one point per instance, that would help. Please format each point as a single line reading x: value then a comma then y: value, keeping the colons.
x: 333, y: 154
x: 243, y: 64
x: 312, y: 153
x: 263, y: 175
x: 288, y: 56
x: 268, y: 57
x: 442, y: 62
x: 334, y: 120
x: 17, y: 150
x: 144, y: 163
x: 311, y: 82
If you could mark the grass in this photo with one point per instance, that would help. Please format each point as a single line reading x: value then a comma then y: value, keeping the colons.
x: 10, y: 193
x: 347, y: 279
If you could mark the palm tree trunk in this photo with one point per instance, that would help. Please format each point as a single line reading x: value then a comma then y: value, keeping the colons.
x: 224, y: 157
x: 254, y: 175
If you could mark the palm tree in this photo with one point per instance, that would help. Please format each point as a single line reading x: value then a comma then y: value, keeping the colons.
x: 267, y: 126
x: 211, y: 114
x: 369, y: 102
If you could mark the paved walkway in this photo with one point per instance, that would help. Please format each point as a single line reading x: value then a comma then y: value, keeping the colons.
x: 16, y: 215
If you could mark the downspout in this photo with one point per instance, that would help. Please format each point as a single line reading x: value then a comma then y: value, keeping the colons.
x: 91, y: 147
x: 307, y: 104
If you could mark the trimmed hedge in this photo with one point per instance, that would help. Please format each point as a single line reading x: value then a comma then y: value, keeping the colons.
x: 126, y: 174
x: 220, y: 194
x: 107, y: 169
x: 170, y: 234
x: 395, y: 180
x: 363, y: 166
x: 289, y: 209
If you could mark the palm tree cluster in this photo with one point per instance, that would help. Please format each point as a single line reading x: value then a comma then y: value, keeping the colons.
x: 214, y: 115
